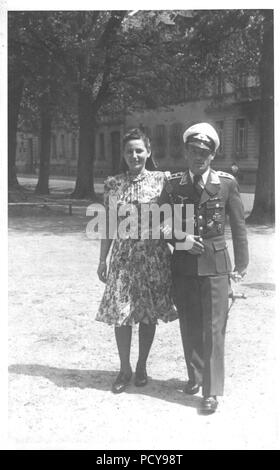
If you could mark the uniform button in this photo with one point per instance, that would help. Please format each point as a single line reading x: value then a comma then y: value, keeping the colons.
x: 200, y: 217
x: 200, y: 228
x: 217, y: 205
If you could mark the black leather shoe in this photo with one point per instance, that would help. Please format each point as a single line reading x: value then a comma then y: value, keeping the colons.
x: 121, y: 382
x: 191, y: 388
x: 209, y: 405
x: 141, y: 378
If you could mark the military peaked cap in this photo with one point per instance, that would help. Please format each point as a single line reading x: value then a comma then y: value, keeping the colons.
x: 202, y: 135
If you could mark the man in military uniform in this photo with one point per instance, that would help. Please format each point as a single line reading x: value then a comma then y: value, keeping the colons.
x: 201, y: 272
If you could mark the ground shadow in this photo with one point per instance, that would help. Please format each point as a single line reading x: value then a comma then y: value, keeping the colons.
x: 170, y: 390
x: 261, y: 229
x: 50, y: 225
x: 56, y: 213
x: 260, y: 285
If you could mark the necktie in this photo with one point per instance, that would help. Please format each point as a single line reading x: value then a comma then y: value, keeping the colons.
x: 197, y: 184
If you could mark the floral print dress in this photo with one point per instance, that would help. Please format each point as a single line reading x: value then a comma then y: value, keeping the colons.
x: 139, y: 286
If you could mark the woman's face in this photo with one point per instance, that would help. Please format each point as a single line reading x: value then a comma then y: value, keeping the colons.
x: 135, y: 155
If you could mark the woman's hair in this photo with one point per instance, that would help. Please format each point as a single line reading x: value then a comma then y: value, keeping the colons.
x: 138, y: 134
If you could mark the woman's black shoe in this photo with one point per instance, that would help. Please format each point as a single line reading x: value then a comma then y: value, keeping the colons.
x: 121, y: 382
x: 141, y: 378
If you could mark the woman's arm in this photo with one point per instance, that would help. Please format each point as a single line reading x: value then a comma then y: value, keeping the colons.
x: 102, y: 267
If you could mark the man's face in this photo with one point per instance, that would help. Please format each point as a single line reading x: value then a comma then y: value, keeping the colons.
x: 198, y: 159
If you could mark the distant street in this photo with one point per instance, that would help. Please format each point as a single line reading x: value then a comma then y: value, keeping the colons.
x: 58, y: 183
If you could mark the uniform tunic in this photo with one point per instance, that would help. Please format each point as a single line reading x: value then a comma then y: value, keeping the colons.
x: 201, y: 281
x: 139, y: 283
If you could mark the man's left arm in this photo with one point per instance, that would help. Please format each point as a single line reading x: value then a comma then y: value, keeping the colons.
x: 235, y: 210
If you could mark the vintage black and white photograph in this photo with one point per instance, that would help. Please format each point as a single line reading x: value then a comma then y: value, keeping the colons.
x: 141, y: 227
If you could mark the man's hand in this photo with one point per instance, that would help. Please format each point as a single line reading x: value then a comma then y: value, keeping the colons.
x: 197, y: 245
x: 237, y: 276
x: 102, y: 271
x: 192, y: 243
x: 166, y: 230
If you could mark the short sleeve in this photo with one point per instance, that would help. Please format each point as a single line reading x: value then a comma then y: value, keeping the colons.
x: 106, y: 194
x: 111, y: 186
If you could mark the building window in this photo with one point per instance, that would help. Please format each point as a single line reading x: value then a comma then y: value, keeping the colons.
x: 181, y: 85
x: 176, y: 140
x: 160, y: 141
x: 146, y: 130
x: 240, y: 137
x: 219, y: 86
x: 220, y: 131
x: 101, y: 149
x: 54, y: 149
x: 21, y: 148
x: 62, y: 146
x: 116, y: 151
x: 30, y: 154
x: 192, y: 89
x: 74, y: 148
x: 243, y: 80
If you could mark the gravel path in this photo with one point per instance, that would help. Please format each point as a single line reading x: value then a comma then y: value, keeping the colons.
x: 62, y: 362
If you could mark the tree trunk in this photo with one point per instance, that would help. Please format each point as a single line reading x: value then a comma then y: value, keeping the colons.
x: 88, y: 109
x: 15, y: 90
x: 45, y: 148
x: 84, y: 183
x: 264, y: 203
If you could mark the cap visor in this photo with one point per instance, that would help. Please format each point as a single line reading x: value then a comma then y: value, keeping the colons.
x: 199, y: 145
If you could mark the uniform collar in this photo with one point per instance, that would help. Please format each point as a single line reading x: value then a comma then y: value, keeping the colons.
x: 211, y: 180
x: 188, y: 176
x: 209, y: 177
x: 204, y: 175
x: 211, y: 187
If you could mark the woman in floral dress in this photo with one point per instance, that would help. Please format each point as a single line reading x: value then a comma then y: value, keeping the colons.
x: 138, y: 281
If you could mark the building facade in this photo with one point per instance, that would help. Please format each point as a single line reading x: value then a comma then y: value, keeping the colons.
x: 234, y: 114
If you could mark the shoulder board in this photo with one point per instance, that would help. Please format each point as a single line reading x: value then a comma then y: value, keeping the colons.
x: 176, y: 175
x: 225, y: 175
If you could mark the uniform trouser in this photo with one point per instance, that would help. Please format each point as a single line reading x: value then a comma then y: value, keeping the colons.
x: 202, y: 303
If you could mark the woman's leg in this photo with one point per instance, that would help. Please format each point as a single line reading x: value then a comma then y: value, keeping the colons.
x: 123, y: 338
x: 146, y: 337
